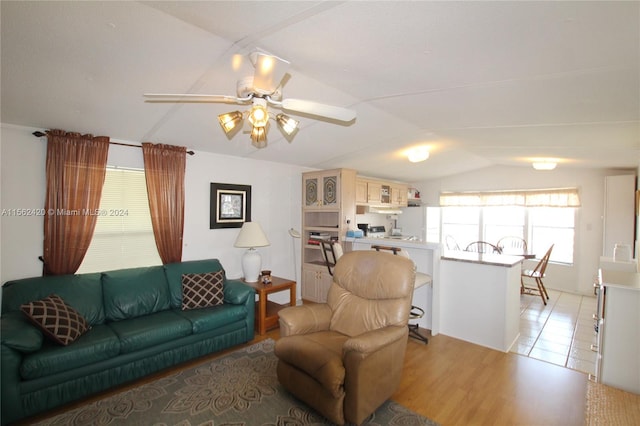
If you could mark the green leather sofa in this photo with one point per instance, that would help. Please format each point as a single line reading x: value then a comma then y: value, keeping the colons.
x: 137, y: 328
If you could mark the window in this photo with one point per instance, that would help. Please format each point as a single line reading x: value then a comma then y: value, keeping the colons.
x: 461, y: 223
x: 542, y: 217
x: 552, y: 225
x: 539, y: 226
x: 123, y: 237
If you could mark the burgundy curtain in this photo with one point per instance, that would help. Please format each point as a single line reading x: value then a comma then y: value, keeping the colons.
x: 76, y: 167
x: 164, y: 167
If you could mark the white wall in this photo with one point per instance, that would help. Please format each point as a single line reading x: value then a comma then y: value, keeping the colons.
x: 579, y: 277
x: 276, y: 203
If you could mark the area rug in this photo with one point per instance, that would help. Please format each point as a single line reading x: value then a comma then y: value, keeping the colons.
x: 607, y: 406
x: 238, y: 389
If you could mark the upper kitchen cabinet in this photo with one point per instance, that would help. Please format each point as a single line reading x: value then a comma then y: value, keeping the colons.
x: 399, y: 195
x: 379, y: 193
x: 361, y: 191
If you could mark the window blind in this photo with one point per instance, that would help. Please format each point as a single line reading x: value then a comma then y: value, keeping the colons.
x: 560, y: 197
x: 123, y: 237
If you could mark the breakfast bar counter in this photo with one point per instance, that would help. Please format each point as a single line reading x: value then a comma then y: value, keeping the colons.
x: 480, y: 298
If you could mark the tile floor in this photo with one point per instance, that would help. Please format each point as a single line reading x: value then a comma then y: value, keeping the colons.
x: 561, y: 332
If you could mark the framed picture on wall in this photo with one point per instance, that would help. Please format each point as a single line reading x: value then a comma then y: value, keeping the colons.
x: 230, y: 205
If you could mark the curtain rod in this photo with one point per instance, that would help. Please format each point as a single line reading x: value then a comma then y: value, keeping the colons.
x: 40, y: 134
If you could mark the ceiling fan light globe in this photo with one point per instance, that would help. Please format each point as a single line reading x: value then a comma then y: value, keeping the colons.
x: 230, y: 120
x: 287, y: 124
x: 259, y: 137
x: 258, y: 116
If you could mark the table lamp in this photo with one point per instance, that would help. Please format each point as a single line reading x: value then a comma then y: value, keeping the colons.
x: 251, y: 236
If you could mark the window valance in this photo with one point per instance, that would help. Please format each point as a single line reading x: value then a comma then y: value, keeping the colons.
x: 557, y: 197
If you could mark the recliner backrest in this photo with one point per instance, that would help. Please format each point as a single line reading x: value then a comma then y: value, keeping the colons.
x: 370, y: 290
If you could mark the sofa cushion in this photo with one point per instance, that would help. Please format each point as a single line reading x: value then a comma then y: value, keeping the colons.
x: 202, y: 290
x: 98, y: 344
x: 134, y: 292
x: 174, y: 272
x: 207, y: 319
x: 17, y: 332
x: 83, y: 292
x: 57, y: 320
x: 149, y: 330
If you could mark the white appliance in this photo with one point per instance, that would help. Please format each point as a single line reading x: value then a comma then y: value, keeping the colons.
x: 413, y: 222
x: 376, y: 232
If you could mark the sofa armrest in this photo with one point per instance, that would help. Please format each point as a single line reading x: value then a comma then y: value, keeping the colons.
x: 237, y: 293
x: 374, y: 340
x: 17, y: 333
x: 304, y: 319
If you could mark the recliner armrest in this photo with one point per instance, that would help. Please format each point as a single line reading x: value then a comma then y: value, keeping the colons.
x: 304, y: 319
x: 372, y: 341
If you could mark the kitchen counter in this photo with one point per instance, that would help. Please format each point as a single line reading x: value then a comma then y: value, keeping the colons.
x: 396, y: 242
x: 483, y: 258
x: 620, y: 279
x: 427, y: 259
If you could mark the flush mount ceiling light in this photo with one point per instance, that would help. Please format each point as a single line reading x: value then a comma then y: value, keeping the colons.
x: 544, y: 165
x: 262, y: 89
x: 418, y: 154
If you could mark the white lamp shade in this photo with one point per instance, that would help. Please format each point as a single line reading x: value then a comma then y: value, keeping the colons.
x: 251, y: 235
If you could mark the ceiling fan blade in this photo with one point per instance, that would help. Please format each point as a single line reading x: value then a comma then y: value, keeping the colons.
x: 321, y: 110
x: 191, y: 98
x: 269, y: 72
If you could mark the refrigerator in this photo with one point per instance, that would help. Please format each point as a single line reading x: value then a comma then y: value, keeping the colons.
x: 413, y: 222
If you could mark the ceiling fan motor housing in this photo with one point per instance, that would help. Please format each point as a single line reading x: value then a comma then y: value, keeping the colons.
x: 244, y: 87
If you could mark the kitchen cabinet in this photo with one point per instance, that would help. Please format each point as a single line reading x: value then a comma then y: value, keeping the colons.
x: 379, y: 193
x: 328, y: 209
x: 618, y: 362
x: 619, y: 212
x: 317, y: 282
x: 361, y: 191
x: 399, y: 195
x: 374, y: 193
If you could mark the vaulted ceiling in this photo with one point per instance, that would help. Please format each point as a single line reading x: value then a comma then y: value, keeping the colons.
x: 479, y: 83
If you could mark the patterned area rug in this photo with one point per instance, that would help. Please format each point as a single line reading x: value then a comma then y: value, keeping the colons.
x: 238, y: 389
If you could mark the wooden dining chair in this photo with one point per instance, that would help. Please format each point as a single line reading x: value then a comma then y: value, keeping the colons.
x: 512, y: 245
x: 450, y: 243
x: 537, y: 274
x: 482, y: 247
x: 331, y: 252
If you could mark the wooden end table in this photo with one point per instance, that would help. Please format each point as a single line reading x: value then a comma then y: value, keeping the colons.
x: 266, y: 310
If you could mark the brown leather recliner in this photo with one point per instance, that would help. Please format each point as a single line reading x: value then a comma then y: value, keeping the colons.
x: 345, y: 357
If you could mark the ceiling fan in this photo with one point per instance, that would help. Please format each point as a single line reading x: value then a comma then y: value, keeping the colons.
x: 261, y: 90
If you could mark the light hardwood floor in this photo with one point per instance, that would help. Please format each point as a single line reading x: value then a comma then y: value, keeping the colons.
x: 457, y: 383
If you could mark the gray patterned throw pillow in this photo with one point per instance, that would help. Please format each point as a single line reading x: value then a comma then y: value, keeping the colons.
x: 202, y: 290
x: 57, y: 320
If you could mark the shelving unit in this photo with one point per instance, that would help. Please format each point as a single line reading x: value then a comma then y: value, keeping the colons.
x: 328, y: 208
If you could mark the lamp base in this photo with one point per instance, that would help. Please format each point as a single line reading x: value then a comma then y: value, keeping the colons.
x: 251, y: 264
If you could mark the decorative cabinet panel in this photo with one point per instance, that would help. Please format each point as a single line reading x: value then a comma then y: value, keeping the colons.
x: 322, y: 190
x: 327, y: 210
